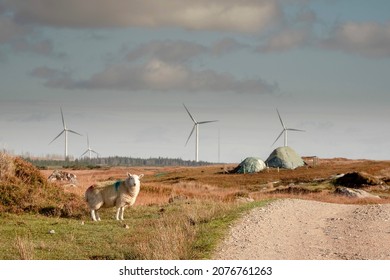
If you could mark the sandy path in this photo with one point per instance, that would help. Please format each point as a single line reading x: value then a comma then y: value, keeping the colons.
x: 293, y: 229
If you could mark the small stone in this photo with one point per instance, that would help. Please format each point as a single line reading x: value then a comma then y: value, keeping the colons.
x: 52, y: 231
x: 126, y: 226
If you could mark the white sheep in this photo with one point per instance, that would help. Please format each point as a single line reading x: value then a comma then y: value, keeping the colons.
x: 120, y: 194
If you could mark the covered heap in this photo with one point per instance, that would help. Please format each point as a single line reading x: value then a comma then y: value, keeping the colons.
x: 284, y: 157
x: 250, y: 165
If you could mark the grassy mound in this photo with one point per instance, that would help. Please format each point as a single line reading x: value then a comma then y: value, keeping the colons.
x: 24, y: 189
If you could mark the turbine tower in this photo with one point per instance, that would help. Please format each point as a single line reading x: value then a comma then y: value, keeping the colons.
x: 89, y: 150
x: 285, y: 129
x: 65, y: 130
x: 196, y: 127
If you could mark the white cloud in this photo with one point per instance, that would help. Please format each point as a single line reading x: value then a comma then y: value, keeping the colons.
x: 365, y: 38
x: 222, y: 15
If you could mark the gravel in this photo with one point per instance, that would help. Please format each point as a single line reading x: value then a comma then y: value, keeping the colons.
x: 293, y: 229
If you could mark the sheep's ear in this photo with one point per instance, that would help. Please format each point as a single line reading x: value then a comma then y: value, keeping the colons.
x: 140, y: 176
x: 128, y: 174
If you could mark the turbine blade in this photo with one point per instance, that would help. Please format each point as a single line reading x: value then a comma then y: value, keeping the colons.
x: 84, y: 153
x: 57, y: 137
x: 278, y: 137
x: 294, y: 129
x: 192, y: 118
x: 94, y: 152
x: 87, y: 140
x: 207, y: 122
x: 280, y: 118
x: 192, y: 131
x: 62, y: 116
x: 72, y: 131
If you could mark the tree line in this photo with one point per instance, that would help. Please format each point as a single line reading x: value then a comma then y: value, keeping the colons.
x: 113, y: 161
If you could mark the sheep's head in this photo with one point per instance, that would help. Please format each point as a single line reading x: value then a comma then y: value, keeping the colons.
x: 134, y: 180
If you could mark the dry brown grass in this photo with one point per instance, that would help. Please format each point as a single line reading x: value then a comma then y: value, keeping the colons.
x: 7, y: 166
x: 212, y: 183
x: 25, y: 248
x: 173, y: 235
x: 168, y: 239
x: 23, y: 188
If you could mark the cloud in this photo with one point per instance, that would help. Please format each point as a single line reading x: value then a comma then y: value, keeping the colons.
x: 221, y: 15
x: 226, y: 45
x: 49, y: 73
x: 285, y: 40
x: 155, y: 75
x: 296, y: 30
x: 169, y: 51
x: 42, y: 47
x: 181, y: 51
x: 22, y: 38
x: 55, y: 78
x: 9, y: 29
x: 364, y: 38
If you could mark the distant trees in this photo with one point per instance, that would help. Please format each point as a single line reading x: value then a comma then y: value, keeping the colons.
x: 113, y: 161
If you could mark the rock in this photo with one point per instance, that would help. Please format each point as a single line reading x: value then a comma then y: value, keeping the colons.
x: 177, y: 198
x: 59, y: 175
x: 354, y: 193
x: 52, y: 231
x: 244, y: 199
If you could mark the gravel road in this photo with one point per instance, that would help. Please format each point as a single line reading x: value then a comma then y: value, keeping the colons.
x: 293, y: 229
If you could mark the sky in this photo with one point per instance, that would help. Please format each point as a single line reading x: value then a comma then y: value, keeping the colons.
x: 121, y: 71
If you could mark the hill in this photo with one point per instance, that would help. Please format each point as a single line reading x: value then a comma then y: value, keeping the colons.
x: 23, y: 188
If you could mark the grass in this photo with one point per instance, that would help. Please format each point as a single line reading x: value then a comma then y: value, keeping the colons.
x: 215, y: 230
x: 181, y: 230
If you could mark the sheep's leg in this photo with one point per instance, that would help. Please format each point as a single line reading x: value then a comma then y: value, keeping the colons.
x: 93, y: 215
x: 97, y: 215
x: 118, y: 210
x: 122, y: 212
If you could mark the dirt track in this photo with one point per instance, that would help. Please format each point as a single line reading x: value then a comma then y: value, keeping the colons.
x: 293, y: 229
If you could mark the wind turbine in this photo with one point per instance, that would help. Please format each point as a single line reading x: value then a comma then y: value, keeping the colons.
x: 89, y: 150
x: 285, y: 129
x: 65, y: 130
x: 196, y: 127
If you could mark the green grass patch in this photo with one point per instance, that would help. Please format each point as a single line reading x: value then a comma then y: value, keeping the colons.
x: 212, y: 232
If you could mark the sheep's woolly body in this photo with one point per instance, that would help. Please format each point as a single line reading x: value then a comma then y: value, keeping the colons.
x: 119, y: 194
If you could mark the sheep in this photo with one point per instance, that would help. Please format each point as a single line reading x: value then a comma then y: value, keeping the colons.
x: 120, y: 194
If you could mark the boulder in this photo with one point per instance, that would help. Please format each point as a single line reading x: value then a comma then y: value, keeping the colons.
x: 284, y: 157
x: 354, y: 193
